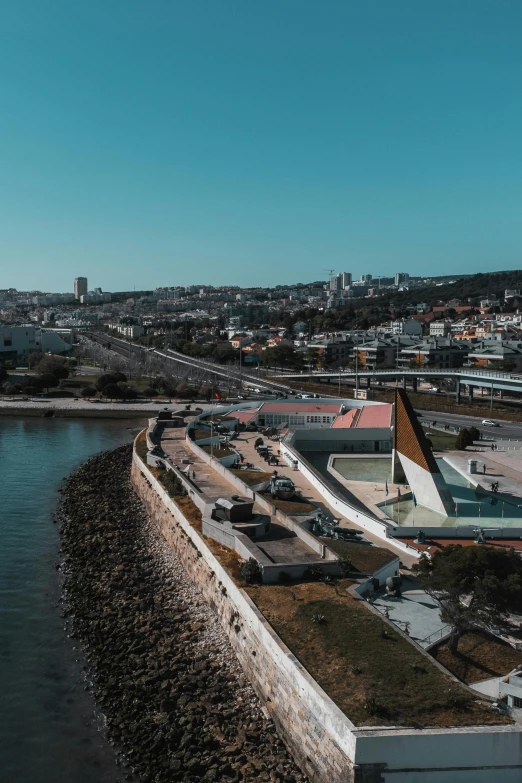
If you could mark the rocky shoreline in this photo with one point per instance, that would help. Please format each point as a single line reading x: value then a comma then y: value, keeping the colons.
x: 177, y: 704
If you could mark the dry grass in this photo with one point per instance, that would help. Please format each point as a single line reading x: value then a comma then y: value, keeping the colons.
x: 218, y: 453
x: 441, y: 441
x: 251, y: 477
x: 479, y: 657
x: 373, y: 674
x: 364, y: 558
x: 141, y: 445
x: 190, y: 511
x: 298, y: 504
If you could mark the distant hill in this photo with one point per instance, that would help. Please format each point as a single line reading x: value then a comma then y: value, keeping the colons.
x: 477, y: 286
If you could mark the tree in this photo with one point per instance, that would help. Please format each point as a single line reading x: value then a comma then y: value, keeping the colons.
x: 474, y: 433
x: 113, y: 391
x: 182, y: 389
x: 53, y: 365
x: 477, y: 587
x: 464, y: 439
x: 48, y: 380
x: 106, y: 379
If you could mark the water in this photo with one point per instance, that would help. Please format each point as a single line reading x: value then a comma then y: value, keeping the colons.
x: 48, y: 724
x: 374, y: 469
x: 474, y: 506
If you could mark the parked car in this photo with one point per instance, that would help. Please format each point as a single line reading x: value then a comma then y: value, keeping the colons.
x: 490, y: 423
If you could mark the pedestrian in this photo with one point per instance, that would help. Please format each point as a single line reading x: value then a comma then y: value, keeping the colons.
x: 492, y: 447
x: 483, y: 468
x: 193, y: 475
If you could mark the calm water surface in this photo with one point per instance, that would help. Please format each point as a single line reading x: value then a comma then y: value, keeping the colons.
x: 48, y: 724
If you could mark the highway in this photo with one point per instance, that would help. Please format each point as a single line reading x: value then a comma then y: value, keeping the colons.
x: 505, y: 431
x: 126, y: 349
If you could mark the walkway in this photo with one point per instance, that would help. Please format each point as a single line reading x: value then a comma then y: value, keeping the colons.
x: 414, y: 612
x: 245, y: 445
x: 503, y: 467
x: 280, y: 545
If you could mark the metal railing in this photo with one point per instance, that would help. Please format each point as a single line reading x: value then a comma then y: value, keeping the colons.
x: 435, y: 636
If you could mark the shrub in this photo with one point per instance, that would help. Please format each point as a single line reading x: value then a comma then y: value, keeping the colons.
x: 113, y: 391
x: 171, y: 483
x: 251, y: 572
x: 88, y: 391
x: 109, y: 378
x: 149, y: 391
x: 347, y: 567
x: 474, y: 433
x: 314, y: 573
x: 48, y: 381
x: 464, y: 439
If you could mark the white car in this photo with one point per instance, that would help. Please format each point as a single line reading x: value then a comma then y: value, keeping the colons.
x: 489, y: 423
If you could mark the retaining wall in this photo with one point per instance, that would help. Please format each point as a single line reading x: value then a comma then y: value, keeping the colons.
x: 324, y: 742
x: 317, y: 733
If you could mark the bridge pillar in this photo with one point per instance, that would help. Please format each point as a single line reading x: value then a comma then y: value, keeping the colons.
x: 368, y: 382
x: 470, y: 392
x: 414, y: 383
x: 457, y: 392
x: 403, y: 381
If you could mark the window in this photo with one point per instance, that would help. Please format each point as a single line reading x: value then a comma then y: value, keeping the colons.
x: 8, y: 342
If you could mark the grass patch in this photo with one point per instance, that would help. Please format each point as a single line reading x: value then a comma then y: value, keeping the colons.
x: 479, y: 657
x: 298, y: 504
x: 218, y: 453
x: 190, y: 511
x: 171, y: 483
x: 251, y: 477
x: 373, y: 674
x: 202, y: 434
x: 141, y: 446
x: 441, y: 441
x: 364, y: 558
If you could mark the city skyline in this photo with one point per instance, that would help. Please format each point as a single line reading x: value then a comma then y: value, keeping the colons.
x: 231, y: 143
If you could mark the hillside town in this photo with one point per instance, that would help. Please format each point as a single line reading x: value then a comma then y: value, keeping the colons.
x: 398, y: 322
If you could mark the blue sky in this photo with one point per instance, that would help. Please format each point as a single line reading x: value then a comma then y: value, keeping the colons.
x: 151, y: 142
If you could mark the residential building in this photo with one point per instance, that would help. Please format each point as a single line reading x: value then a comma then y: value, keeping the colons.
x: 95, y: 297
x: 410, y: 326
x: 80, y: 287
x: 440, y: 328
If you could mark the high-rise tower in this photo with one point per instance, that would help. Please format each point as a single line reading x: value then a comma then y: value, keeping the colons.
x: 80, y: 286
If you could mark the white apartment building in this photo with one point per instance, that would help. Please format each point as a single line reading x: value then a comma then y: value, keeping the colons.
x: 80, y: 287
x: 440, y: 328
x: 17, y: 342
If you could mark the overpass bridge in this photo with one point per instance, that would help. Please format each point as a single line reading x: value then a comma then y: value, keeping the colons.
x: 472, y: 378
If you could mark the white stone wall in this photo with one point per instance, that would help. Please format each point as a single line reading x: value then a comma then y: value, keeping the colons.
x: 322, y: 739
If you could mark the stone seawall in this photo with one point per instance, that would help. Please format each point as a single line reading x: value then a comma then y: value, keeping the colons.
x: 317, y: 733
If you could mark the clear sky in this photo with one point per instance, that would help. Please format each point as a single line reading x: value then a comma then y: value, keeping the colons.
x: 164, y: 142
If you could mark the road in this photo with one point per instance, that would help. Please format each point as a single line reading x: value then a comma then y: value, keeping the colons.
x: 125, y: 349
x: 505, y: 431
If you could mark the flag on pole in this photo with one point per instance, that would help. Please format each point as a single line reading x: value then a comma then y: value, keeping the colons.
x: 414, y: 499
x: 386, y: 490
x: 218, y: 396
